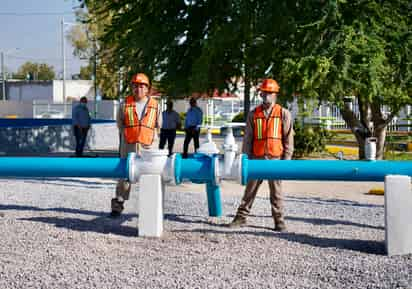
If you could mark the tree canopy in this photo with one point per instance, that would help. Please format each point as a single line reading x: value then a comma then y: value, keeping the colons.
x: 102, y: 62
x: 325, y: 50
x: 35, y: 71
x: 361, y: 49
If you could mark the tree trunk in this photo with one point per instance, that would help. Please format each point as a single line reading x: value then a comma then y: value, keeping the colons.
x: 380, y: 135
x: 371, y: 123
x: 361, y: 139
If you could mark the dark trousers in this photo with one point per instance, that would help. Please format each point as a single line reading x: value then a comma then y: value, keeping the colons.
x: 168, y: 135
x: 81, y: 135
x: 191, y: 132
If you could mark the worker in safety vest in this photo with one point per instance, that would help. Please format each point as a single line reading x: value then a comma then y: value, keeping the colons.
x: 268, y: 135
x: 138, y: 120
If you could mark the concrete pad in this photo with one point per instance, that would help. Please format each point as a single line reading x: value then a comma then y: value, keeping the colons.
x: 150, y: 206
x: 398, y: 215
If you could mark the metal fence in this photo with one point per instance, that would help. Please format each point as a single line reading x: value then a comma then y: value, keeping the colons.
x: 98, y: 110
x: 218, y: 112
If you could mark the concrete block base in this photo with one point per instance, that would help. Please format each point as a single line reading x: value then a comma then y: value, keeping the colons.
x: 398, y: 215
x: 150, y: 206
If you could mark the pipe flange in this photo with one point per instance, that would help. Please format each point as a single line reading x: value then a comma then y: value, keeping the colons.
x: 169, y: 172
x: 216, y: 170
x: 243, y: 167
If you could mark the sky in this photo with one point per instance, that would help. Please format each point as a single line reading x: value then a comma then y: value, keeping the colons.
x: 30, y: 30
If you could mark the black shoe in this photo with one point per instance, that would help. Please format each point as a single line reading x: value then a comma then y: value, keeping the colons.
x: 237, y: 222
x: 280, y: 226
x: 114, y: 214
x: 117, y: 208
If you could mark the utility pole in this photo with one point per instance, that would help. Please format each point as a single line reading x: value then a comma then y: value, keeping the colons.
x: 3, y: 76
x: 95, y: 77
x: 64, y: 62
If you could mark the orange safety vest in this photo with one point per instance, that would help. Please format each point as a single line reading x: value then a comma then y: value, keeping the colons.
x: 267, y: 133
x: 140, y: 131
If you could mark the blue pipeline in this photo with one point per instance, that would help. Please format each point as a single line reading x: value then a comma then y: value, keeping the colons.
x: 63, y: 167
x: 214, y: 203
x: 200, y: 169
x: 322, y: 170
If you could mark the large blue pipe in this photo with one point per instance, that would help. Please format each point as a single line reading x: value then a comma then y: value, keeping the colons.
x: 200, y: 169
x: 325, y: 170
x: 63, y: 167
x: 214, y: 204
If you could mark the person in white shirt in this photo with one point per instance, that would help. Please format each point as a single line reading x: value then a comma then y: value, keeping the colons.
x: 81, y: 124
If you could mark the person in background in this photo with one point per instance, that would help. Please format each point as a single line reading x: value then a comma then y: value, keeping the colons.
x: 194, y: 118
x: 138, y: 120
x: 269, y: 135
x: 170, y: 123
x: 81, y: 124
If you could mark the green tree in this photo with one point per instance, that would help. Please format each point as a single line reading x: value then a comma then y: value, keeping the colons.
x: 87, y: 45
x: 194, y: 46
x: 358, y: 50
x: 319, y: 50
x: 35, y: 71
x: 86, y: 72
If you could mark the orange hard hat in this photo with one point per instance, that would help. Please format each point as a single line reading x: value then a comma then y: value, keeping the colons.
x: 269, y: 85
x: 140, y: 78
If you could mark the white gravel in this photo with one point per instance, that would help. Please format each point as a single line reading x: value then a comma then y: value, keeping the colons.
x: 55, y: 234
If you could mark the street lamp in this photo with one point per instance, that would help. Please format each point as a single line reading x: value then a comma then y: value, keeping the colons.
x: 94, y: 61
x: 3, y: 72
x: 64, y: 54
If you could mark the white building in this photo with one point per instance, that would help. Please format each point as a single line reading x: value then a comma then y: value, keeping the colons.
x: 51, y: 90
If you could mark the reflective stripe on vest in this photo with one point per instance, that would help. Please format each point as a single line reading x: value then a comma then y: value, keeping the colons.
x: 140, y: 131
x: 267, y: 134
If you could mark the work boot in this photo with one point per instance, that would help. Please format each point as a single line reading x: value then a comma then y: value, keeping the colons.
x: 280, y: 226
x: 238, y: 221
x: 117, y: 208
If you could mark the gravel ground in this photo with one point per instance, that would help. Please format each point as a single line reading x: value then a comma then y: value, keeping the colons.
x: 55, y: 234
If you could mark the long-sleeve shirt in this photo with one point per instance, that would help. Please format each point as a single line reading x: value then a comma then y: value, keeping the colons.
x: 170, y: 120
x: 194, y: 117
x: 287, y: 134
x: 81, y: 116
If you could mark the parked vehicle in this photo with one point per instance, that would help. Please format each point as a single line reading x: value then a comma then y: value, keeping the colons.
x: 50, y: 114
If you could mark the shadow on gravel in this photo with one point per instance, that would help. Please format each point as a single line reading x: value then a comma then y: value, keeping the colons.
x: 369, y: 247
x: 102, y: 225
x: 319, y: 221
x: 66, y: 182
x: 331, y: 222
x: 186, y: 219
x: 60, y: 210
x: 334, y: 202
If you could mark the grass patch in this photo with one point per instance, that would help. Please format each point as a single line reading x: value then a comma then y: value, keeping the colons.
x: 398, y: 156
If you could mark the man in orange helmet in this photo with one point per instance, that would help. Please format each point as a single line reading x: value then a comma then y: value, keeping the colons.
x: 269, y: 135
x: 138, y: 119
